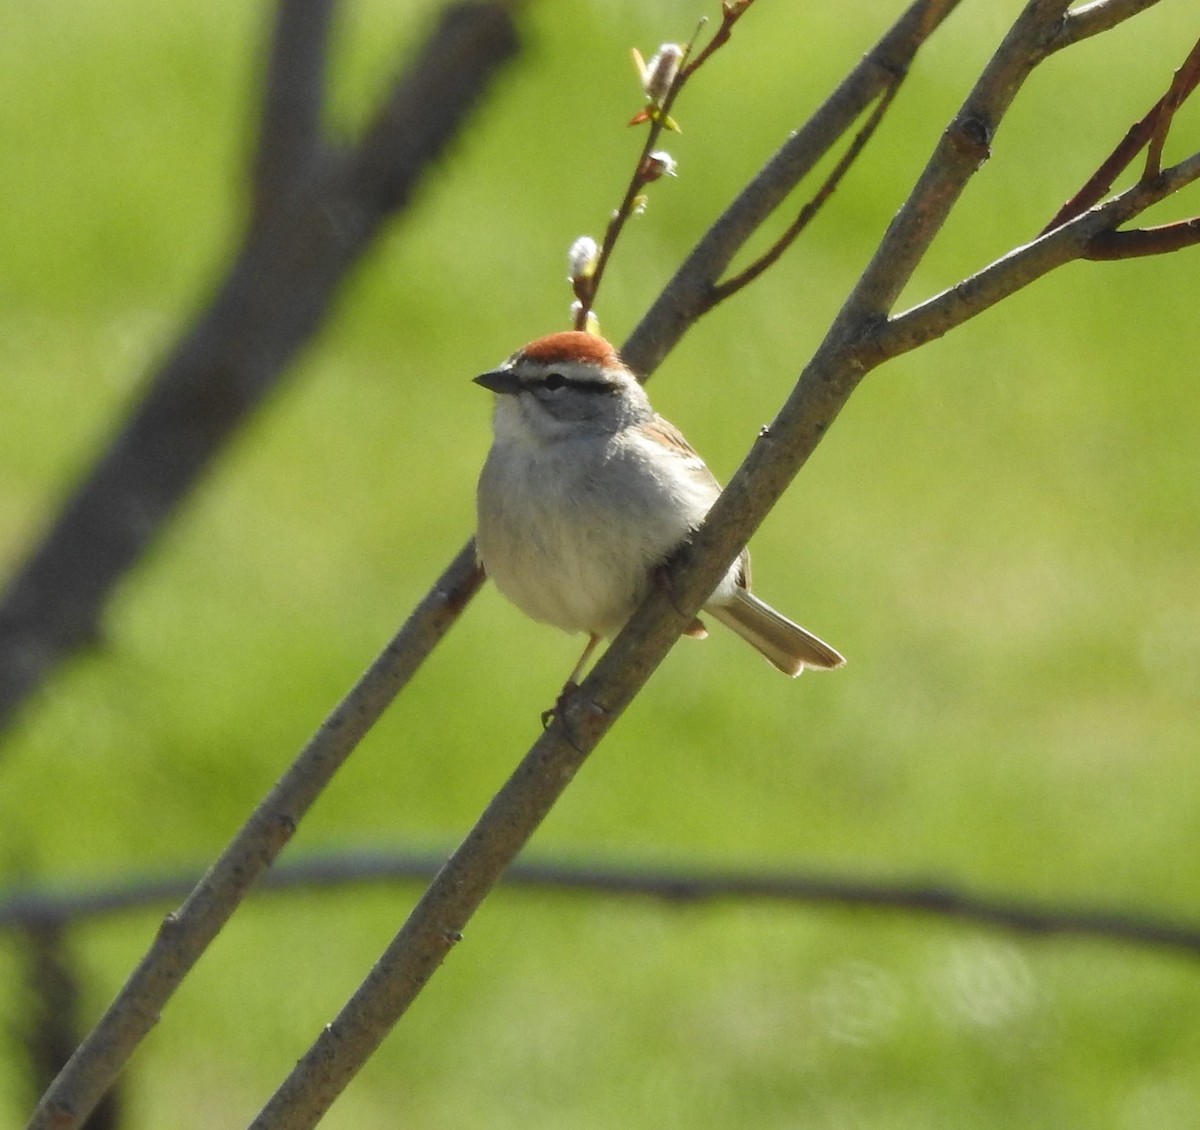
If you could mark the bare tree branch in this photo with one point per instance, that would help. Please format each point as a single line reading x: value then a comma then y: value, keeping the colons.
x: 729, y: 287
x: 1093, y: 19
x: 584, y: 716
x: 45, y: 910
x: 1161, y: 240
x: 731, y: 12
x: 658, y: 115
x: 1149, y: 131
x: 275, y: 297
x: 686, y: 296
x: 243, y: 861
x: 1182, y: 85
x: 49, y: 1021
x: 186, y: 933
x: 961, y: 151
x: 289, y: 138
x: 1088, y: 237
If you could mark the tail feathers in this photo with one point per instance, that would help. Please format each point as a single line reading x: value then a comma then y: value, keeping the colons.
x: 788, y: 646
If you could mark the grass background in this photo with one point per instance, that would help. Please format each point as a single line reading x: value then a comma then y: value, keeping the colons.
x: 1001, y: 533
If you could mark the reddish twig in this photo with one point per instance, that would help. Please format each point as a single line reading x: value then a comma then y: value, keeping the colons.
x: 1183, y: 82
x: 1150, y: 130
x: 644, y: 172
x: 658, y: 116
x: 731, y: 12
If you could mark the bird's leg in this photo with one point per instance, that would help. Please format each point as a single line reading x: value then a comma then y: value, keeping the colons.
x: 573, y: 678
x: 571, y: 685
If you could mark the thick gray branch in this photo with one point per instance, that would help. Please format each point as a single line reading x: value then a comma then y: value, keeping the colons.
x: 962, y: 150
x: 1025, y: 265
x: 186, y: 933
x: 1093, y: 19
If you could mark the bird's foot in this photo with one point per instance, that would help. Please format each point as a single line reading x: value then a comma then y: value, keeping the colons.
x: 548, y: 716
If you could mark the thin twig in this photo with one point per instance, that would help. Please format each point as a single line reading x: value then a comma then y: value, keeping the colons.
x: 1135, y: 243
x: 1094, y: 19
x: 658, y: 115
x: 1183, y: 83
x: 771, y: 256
x: 33, y: 909
x: 1086, y: 237
x: 684, y: 298
x: 1100, y: 183
x: 588, y: 287
x: 1150, y: 130
x: 731, y: 12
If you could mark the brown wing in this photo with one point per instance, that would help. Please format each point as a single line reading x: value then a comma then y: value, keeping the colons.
x: 671, y: 437
x: 744, y: 572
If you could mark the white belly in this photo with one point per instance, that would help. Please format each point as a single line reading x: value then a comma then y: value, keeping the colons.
x: 575, y: 547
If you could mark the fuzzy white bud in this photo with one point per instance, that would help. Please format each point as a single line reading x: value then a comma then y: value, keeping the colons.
x: 660, y: 72
x: 659, y: 164
x: 581, y: 259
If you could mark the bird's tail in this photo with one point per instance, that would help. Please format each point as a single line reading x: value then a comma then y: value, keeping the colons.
x: 788, y: 646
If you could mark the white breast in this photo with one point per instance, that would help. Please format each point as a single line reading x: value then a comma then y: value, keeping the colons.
x: 570, y: 532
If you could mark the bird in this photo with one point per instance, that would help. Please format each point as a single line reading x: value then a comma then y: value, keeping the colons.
x: 586, y: 492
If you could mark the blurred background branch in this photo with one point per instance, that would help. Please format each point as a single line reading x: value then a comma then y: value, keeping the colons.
x: 291, y: 143
x: 50, y: 1021
x: 54, y: 909
x: 316, y: 211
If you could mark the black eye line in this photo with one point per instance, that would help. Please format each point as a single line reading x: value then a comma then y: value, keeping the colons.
x: 554, y: 380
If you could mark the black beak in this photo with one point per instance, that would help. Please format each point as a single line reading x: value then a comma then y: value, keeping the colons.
x: 503, y: 381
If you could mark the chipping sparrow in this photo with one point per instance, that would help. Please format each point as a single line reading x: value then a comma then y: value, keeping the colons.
x: 586, y: 490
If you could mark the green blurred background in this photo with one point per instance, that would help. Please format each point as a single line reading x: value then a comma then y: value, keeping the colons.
x: 1001, y: 533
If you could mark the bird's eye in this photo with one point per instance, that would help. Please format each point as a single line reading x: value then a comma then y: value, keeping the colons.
x: 554, y: 381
